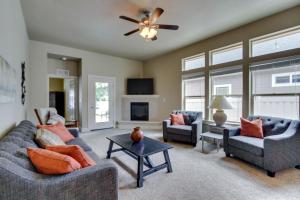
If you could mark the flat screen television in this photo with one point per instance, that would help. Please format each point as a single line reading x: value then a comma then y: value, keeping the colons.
x: 140, y: 86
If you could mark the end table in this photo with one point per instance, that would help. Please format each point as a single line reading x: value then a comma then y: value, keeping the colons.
x: 214, y: 132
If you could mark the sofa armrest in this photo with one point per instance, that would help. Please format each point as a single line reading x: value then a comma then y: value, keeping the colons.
x: 227, y: 133
x: 74, y: 132
x: 196, y: 130
x: 166, y: 124
x: 282, y: 151
x: 97, y: 182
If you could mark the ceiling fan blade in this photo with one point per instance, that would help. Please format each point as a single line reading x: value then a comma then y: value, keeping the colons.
x: 129, y: 19
x: 155, y: 15
x: 166, y: 26
x: 131, y: 32
x: 154, y: 38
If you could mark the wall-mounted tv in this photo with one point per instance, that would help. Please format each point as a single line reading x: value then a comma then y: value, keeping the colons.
x: 140, y: 86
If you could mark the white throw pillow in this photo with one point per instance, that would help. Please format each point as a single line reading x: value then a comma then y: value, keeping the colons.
x: 54, y: 118
x: 45, y: 137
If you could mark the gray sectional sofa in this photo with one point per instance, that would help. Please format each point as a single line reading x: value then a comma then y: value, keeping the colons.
x: 278, y: 150
x: 20, y: 180
x: 184, y: 133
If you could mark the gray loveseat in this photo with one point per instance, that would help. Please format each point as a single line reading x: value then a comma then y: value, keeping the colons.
x: 278, y: 150
x: 20, y: 180
x: 184, y: 133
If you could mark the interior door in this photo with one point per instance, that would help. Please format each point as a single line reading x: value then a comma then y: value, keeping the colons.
x: 101, y: 100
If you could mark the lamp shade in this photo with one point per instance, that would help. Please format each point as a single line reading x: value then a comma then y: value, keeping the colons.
x: 220, y: 103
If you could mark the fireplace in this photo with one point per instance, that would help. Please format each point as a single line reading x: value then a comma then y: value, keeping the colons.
x: 139, y: 111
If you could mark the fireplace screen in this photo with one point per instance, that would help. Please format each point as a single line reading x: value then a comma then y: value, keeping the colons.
x: 139, y: 111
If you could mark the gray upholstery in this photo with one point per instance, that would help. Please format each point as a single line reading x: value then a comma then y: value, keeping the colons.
x: 278, y: 150
x: 249, y: 144
x: 184, y: 133
x: 20, y: 180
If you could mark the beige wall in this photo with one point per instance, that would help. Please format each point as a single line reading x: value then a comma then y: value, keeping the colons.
x: 56, y: 85
x: 53, y: 64
x: 91, y: 63
x: 14, y: 49
x: 166, y: 69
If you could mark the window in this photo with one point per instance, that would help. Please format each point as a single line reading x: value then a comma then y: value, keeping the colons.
x: 228, y: 82
x: 194, y: 94
x: 276, y: 42
x: 224, y: 89
x: 285, y: 79
x: 193, y: 62
x: 276, y: 88
x: 226, y: 54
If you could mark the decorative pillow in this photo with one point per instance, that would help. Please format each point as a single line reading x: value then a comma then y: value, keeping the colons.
x: 177, y: 119
x: 54, y: 118
x: 60, y: 130
x: 252, y: 128
x: 75, y: 152
x: 187, y: 120
x: 45, y: 137
x: 49, y: 162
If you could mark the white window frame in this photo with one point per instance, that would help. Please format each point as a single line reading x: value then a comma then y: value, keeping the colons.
x: 290, y: 74
x: 194, y: 57
x: 229, y: 86
x: 223, y: 49
x: 272, y: 36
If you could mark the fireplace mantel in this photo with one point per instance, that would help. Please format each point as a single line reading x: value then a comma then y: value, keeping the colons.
x: 153, y: 121
x: 141, y: 96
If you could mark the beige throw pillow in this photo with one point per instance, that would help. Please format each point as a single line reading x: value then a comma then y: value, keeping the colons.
x: 45, y: 137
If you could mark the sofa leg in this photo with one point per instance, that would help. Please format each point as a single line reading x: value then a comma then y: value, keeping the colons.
x: 271, y: 174
x: 227, y: 154
x: 165, y: 140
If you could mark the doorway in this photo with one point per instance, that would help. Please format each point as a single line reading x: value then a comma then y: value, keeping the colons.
x: 63, y: 95
x: 101, y: 102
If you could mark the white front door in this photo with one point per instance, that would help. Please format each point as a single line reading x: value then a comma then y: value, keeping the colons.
x: 101, y: 102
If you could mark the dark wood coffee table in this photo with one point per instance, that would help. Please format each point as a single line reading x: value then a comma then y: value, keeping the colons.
x: 141, y: 152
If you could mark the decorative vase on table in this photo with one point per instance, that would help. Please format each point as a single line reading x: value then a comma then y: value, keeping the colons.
x: 137, y: 135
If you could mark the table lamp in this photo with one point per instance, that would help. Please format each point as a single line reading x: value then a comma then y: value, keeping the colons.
x: 220, y: 103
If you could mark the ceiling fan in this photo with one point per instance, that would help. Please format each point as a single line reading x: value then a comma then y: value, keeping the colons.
x: 147, y: 26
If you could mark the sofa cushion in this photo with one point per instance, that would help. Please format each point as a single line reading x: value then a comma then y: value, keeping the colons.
x: 272, y: 125
x: 80, y: 142
x: 249, y: 144
x: 49, y: 162
x: 19, y: 141
x: 45, y: 137
x: 252, y: 128
x: 21, y: 161
x: 177, y: 119
x: 60, y: 130
x: 180, y: 129
x: 75, y: 152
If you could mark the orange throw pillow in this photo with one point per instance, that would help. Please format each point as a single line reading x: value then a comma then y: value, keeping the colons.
x: 60, y: 130
x: 177, y: 119
x: 252, y: 128
x: 75, y: 152
x: 49, y: 162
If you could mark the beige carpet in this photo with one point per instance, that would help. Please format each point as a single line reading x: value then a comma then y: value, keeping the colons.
x: 196, y: 175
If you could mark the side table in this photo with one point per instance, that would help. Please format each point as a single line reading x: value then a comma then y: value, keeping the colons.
x: 215, y: 133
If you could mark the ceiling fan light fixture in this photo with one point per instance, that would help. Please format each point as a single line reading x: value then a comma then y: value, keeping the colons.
x: 148, y: 32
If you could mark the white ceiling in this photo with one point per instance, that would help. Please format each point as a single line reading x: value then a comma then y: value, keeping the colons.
x: 94, y: 24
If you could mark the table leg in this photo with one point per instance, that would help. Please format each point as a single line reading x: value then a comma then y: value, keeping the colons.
x: 111, y: 143
x: 148, y: 160
x: 218, y: 145
x: 202, y: 144
x: 140, y: 171
x: 167, y: 159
